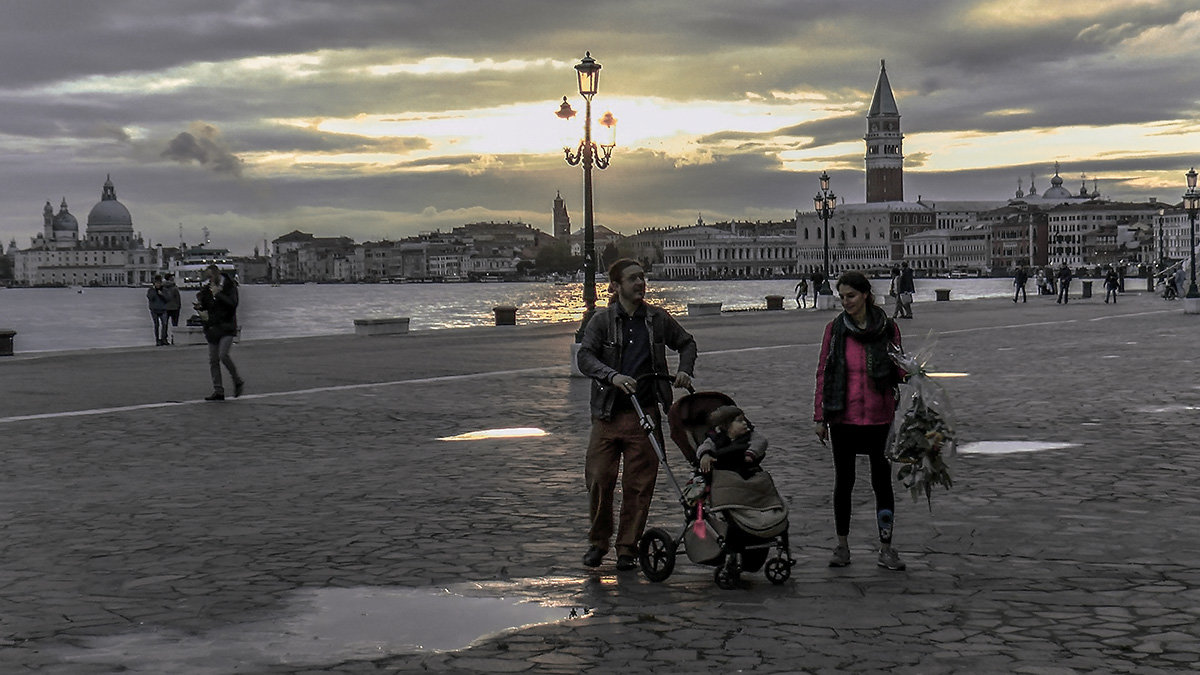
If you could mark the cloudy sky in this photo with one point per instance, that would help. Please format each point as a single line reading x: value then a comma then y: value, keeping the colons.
x: 383, y: 118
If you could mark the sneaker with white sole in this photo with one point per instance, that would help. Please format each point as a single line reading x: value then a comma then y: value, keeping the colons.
x: 890, y: 559
x: 841, y: 557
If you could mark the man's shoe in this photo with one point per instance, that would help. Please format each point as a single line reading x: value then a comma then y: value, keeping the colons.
x: 890, y: 559
x: 626, y: 563
x: 841, y: 557
x: 593, y: 556
x: 238, y: 387
x: 215, y: 396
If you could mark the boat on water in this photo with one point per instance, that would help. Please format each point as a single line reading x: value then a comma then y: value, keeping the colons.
x: 189, y: 269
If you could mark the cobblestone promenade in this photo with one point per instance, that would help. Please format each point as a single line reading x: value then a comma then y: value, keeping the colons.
x: 318, y: 525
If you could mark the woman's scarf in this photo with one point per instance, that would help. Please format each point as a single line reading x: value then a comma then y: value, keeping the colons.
x: 874, y: 338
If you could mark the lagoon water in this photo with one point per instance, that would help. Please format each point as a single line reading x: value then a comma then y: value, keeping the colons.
x: 54, y: 319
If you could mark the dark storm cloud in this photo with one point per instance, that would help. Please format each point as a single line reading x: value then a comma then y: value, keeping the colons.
x: 203, y: 144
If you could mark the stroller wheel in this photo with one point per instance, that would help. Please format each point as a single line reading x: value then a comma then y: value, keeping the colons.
x: 727, y: 574
x: 778, y: 570
x: 656, y: 554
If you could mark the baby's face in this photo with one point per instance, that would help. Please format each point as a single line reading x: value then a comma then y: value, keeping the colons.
x: 738, y: 427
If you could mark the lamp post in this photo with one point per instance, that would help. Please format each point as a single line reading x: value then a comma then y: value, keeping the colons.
x: 589, y: 154
x: 824, y: 203
x: 1191, y: 202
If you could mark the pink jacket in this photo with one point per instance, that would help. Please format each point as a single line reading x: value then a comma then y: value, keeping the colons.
x: 864, y: 405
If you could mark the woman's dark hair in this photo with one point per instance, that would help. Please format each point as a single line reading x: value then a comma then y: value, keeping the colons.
x: 859, y: 282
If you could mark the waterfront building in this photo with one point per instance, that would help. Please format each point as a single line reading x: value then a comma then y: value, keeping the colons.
x: 729, y: 250
x: 867, y: 237
x: 1075, y: 230
x: 109, y: 253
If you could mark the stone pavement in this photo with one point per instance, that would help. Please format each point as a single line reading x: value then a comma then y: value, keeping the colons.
x: 155, y: 533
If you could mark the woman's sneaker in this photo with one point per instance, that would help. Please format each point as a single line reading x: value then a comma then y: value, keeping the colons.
x: 841, y: 557
x: 890, y: 559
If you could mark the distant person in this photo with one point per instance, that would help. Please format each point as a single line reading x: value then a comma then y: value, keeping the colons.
x: 1040, y: 282
x: 1064, y: 284
x: 1112, y: 284
x: 894, y: 294
x: 1121, y: 277
x: 1051, y: 284
x: 855, y: 401
x: 157, y: 298
x: 1171, y: 290
x: 218, y: 300
x: 621, y: 343
x: 818, y: 278
x: 174, y: 302
x: 905, y: 290
x: 1019, y: 280
x: 802, y: 293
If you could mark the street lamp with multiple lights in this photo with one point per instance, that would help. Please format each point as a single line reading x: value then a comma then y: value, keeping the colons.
x: 589, y: 154
x: 824, y: 202
x: 1191, y: 202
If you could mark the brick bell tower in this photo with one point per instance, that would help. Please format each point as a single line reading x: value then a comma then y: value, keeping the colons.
x: 885, y: 156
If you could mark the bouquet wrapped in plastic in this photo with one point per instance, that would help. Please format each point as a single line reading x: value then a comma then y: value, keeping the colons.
x: 923, y: 430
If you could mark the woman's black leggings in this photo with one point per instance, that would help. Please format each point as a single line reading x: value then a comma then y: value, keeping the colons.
x: 849, y: 441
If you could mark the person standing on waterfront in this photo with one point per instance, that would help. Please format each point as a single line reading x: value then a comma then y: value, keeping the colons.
x: 621, y: 343
x: 855, y: 400
x: 174, y: 302
x: 1040, y: 282
x: 219, y: 300
x: 905, y: 288
x: 802, y: 293
x: 1019, y: 280
x: 895, y: 294
x: 1111, y: 285
x: 1064, y: 284
x: 818, y: 278
x: 157, y: 299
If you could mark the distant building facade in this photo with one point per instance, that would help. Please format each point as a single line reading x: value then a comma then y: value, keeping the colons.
x: 109, y: 253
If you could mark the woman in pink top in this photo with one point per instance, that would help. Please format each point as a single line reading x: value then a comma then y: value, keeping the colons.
x: 855, y: 401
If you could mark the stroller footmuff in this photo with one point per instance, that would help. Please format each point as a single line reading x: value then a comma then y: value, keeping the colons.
x: 732, y: 519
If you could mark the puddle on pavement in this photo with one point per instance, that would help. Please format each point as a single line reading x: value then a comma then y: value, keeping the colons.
x: 1010, y: 447
x: 1170, y: 408
x: 329, y: 626
x: 483, y: 434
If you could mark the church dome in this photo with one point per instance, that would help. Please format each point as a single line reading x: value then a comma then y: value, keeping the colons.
x: 1056, y: 190
x: 109, y: 215
x: 64, y: 221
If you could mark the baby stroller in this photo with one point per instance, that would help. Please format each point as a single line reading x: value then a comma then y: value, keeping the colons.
x: 732, y: 523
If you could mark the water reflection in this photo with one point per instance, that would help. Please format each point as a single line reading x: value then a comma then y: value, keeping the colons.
x: 514, y: 432
x: 327, y: 626
x: 1010, y: 447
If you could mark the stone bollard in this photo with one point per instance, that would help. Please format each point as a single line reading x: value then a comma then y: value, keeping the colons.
x: 6, y: 341
x: 826, y: 301
x: 774, y: 302
x: 1150, y: 282
x: 506, y: 315
x: 1087, y: 290
x: 943, y: 294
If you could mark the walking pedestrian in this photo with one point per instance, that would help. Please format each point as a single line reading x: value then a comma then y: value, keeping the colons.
x: 1019, y: 280
x: 174, y: 302
x: 157, y: 299
x: 802, y: 293
x: 218, y: 299
x: 855, y: 399
x: 1064, y: 284
x: 1112, y: 284
x: 818, y: 279
x: 894, y: 294
x: 905, y: 290
x: 621, y: 343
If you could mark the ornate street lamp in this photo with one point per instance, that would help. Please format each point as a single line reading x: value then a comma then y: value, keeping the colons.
x: 1191, y: 202
x: 589, y: 154
x: 824, y: 203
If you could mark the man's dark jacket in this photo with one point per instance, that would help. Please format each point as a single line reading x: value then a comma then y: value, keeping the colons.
x: 600, y: 354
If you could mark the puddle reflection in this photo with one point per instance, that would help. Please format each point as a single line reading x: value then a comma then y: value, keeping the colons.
x: 514, y: 432
x: 330, y: 625
x: 1010, y: 447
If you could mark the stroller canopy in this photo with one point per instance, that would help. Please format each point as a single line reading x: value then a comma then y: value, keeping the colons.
x: 688, y: 420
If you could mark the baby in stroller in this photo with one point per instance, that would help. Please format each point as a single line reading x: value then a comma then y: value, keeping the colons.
x: 731, y: 445
x: 733, y: 514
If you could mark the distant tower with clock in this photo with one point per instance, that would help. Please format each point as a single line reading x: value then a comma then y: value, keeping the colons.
x: 885, y: 156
